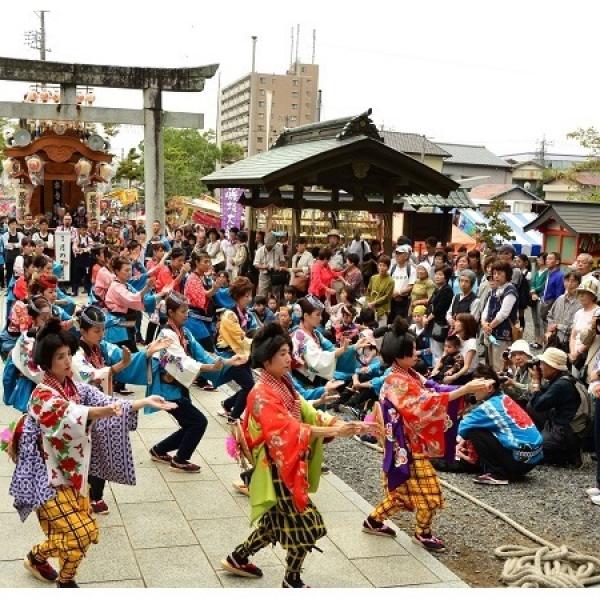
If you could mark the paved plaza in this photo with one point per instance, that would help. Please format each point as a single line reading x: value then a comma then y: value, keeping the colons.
x: 172, y: 529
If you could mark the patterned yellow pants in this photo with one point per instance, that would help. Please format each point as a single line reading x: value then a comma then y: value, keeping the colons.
x: 420, y: 493
x: 69, y: 528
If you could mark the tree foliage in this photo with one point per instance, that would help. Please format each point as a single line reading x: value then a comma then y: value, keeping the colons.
x: 496, y: 229
x: 589, y: 138
x: 130, y: 168
x: 189, y: 156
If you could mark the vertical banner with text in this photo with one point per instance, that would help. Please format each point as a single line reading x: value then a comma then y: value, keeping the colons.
x: 231, y: 209
x: 62, y: 247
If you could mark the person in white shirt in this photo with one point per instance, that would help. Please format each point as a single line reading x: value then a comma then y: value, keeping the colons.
x: 302, y: 262
x: 336, y: 262
x: 229, y: 247
x: 11, y: 241
x: 359, y: 247
x: 45, y: 237
x: 404, y: 274
x: 268, y: 258
x: 584, y: 265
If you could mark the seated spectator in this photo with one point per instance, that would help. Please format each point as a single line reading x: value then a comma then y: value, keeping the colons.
x: 290, y: 296
x: 506, y: 441
x: 284, y: 317
x: 553, y: 407
x: 262, y: 312
x: 562, y: 313
x: 346, y: 327
x: 451, y: 361
x: 465, y: 328
x: 518, y: 386
x: 273, y: 304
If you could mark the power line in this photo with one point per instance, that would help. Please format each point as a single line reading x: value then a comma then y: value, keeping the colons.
x: 36, y: 38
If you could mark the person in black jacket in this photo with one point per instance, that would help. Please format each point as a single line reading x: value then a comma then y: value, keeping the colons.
x: 553, y: 406
x: 438, y: 306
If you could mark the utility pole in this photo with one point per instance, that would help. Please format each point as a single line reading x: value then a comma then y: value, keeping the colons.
x: 36, y: 38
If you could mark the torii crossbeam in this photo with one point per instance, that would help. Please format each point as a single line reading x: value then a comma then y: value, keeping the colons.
x: 151, y: 81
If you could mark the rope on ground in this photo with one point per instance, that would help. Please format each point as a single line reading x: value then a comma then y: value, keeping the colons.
x: 548, y: 566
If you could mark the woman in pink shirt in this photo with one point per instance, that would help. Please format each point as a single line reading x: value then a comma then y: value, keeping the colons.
x: 101, y: 276
x: 122, y: 301
x: 322, y: 276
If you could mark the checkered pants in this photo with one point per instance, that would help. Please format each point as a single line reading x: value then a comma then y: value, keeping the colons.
x: 70, y: 529
x: 296, y: 532
x: 420, y: 493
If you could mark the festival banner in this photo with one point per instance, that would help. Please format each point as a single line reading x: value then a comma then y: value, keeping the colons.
x: 231, y: 209
x: 62, y: 248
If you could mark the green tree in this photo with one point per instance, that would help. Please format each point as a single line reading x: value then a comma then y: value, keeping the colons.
x: 189, y: 156
x: 496, y: 229
x: 589, y: 138
x: 130, y: 168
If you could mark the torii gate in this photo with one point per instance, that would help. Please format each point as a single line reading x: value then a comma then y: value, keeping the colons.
x: 151, y: 81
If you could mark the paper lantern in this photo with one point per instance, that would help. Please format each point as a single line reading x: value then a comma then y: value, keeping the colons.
x: 56, y: 97
x: 35, y: 168
x: 44, y: 96
x: 83, y: 168
x: 79, y: 98
x: 90, y: 98
x: 106, y: 171
x: 32, y: 96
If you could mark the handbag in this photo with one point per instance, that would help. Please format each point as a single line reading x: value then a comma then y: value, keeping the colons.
x: 516, y: 332
x: 440, y: 332
x: 279, y: 277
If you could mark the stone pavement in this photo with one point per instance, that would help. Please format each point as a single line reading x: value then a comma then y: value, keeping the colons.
x: 172, y: 529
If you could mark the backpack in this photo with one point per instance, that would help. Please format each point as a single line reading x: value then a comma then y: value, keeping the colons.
x: 582, y: 421
x: 408, y: 269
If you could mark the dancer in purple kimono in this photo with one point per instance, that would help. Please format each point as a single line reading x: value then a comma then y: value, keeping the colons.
x: 70, y: 430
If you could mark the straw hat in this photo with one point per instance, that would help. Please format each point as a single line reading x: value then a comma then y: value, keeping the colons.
x: 590, y: 285
x: 334, y: 232
x: 555, y: 358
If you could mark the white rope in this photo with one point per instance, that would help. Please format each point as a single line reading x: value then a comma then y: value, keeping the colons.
x: 548, y: 566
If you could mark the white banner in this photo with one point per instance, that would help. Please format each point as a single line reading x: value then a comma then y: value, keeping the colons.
x: 62, y: 248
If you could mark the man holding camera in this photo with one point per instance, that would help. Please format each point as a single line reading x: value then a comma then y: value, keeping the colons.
x: 553, y: 406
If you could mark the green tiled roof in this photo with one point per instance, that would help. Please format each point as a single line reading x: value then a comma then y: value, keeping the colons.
x: 456, y: 199
x: 259, y: 166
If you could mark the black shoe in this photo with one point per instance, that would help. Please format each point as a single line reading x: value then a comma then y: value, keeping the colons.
x: 67, y: 584
x: 293, y: 580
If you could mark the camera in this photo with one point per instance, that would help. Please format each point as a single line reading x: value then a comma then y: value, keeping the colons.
x: 503, y: 379
x: 534, y: 363
x: 506, y: 355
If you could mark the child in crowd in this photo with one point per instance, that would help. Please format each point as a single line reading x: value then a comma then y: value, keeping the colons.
x: 346, y: 328
x: 380, y: 290
x: 451, y: 361
x: 284, y: 317
x: 289, y: 296
x: 421, y: 335
x: 262, y: 312
x: 273, y: 304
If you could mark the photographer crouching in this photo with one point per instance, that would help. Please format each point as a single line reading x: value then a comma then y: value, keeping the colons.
x: 553, y: 406
x: 516, y: 378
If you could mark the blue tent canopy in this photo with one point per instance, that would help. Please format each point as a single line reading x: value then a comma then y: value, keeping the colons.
x: 525, y: 242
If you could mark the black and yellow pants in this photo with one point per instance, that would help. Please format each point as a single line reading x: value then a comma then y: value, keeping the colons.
x: 70, y: 530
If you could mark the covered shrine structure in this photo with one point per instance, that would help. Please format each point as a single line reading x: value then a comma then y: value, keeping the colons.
x: 570, y: 227
x: 60, y: 154
x: 342, y: 165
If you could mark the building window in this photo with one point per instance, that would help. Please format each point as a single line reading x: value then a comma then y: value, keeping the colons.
x: 261, y: 127
x: 295, y: 82
x: 263, y: 80
x: 261, y: 115
x: 295, y: 94
x: 294, y: 107
x: 261, y: 104
x: 302, y: 69
x: 293, y: 119
x: 262, y: 92
x: 259, y: 140
x: 307, y: 117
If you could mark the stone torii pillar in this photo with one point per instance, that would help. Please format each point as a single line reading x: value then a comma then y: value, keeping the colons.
x: 151, y: 81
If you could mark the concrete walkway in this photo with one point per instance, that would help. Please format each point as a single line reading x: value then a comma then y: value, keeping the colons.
x: 173, y: 529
